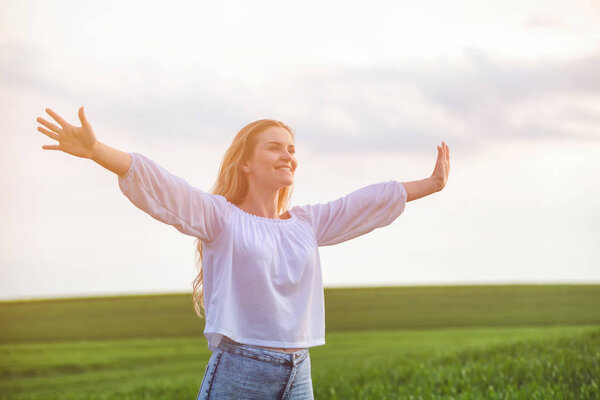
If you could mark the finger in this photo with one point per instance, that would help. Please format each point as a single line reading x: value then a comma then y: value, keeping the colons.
x: 49, y: 125
x: 46, y: 132
x: 82, y: 118
x: 51, y: 147
x: 57, y: 117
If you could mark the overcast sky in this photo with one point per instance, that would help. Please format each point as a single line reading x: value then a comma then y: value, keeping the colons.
x: 370, y: 90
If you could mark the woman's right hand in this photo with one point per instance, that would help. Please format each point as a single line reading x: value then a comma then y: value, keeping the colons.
x: 78, y: 141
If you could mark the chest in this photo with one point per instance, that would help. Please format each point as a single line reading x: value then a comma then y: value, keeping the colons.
x: 282, y: 255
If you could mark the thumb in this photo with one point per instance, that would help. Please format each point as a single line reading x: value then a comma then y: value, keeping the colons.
x: 84, y: 121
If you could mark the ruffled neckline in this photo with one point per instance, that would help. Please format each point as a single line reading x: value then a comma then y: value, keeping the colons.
x: 258, y: 217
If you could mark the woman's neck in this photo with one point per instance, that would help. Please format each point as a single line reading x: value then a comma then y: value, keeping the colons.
x: 262, y: 204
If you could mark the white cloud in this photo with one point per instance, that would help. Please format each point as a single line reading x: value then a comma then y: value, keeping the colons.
x: 370, y: 91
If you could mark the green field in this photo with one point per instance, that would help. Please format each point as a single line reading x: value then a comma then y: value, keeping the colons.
x: 451, y: 342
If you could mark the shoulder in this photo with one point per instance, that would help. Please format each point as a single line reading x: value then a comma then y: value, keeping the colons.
x: 301, y: 212
x: 222, y: 204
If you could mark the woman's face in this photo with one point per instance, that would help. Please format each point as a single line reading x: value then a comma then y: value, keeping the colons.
x: 275, y: 149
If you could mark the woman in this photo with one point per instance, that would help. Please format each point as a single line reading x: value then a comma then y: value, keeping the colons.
x: 260, y: 285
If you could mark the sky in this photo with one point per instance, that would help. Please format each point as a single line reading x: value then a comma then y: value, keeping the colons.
x: 370, y: 90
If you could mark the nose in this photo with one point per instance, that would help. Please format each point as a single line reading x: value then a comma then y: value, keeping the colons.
x: 286, y: 156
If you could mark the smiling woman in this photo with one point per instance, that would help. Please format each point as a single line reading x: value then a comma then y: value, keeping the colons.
x: 259, y: 283
x: 271, y: 167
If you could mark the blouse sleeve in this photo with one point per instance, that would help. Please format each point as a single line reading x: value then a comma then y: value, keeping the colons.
x: 170, y: 199
x: 355, y: 214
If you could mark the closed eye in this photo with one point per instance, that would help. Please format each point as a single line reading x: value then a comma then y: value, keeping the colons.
x: 292, y: 151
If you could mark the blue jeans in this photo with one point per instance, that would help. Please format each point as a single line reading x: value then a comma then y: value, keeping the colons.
x: 243, y: 371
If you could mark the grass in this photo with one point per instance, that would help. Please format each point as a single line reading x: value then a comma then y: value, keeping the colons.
x: 346, y: 310
x: 514, y: 342
x: 501, y: 363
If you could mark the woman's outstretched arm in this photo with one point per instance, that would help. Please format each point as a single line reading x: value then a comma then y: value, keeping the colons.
x: 81, y: 142
x: 112, y: 159
x: 437, y: 180
x: 162, y: 195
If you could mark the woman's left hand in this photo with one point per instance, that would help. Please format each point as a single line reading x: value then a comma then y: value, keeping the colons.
x: 442, y: 166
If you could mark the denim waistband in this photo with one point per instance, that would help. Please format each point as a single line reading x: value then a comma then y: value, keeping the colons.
x: 259, y: 353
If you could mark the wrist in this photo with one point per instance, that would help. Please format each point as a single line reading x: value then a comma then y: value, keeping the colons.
x: 96, y: 150
x: 437, y: 183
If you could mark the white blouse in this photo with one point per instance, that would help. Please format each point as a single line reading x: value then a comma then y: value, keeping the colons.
x: 262, y: 276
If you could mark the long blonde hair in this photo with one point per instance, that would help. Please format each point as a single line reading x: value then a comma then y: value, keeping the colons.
x: 232, y: 183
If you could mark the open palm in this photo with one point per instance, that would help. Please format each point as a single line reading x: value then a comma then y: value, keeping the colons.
x: 75, y: 140
x: 442, y: 165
